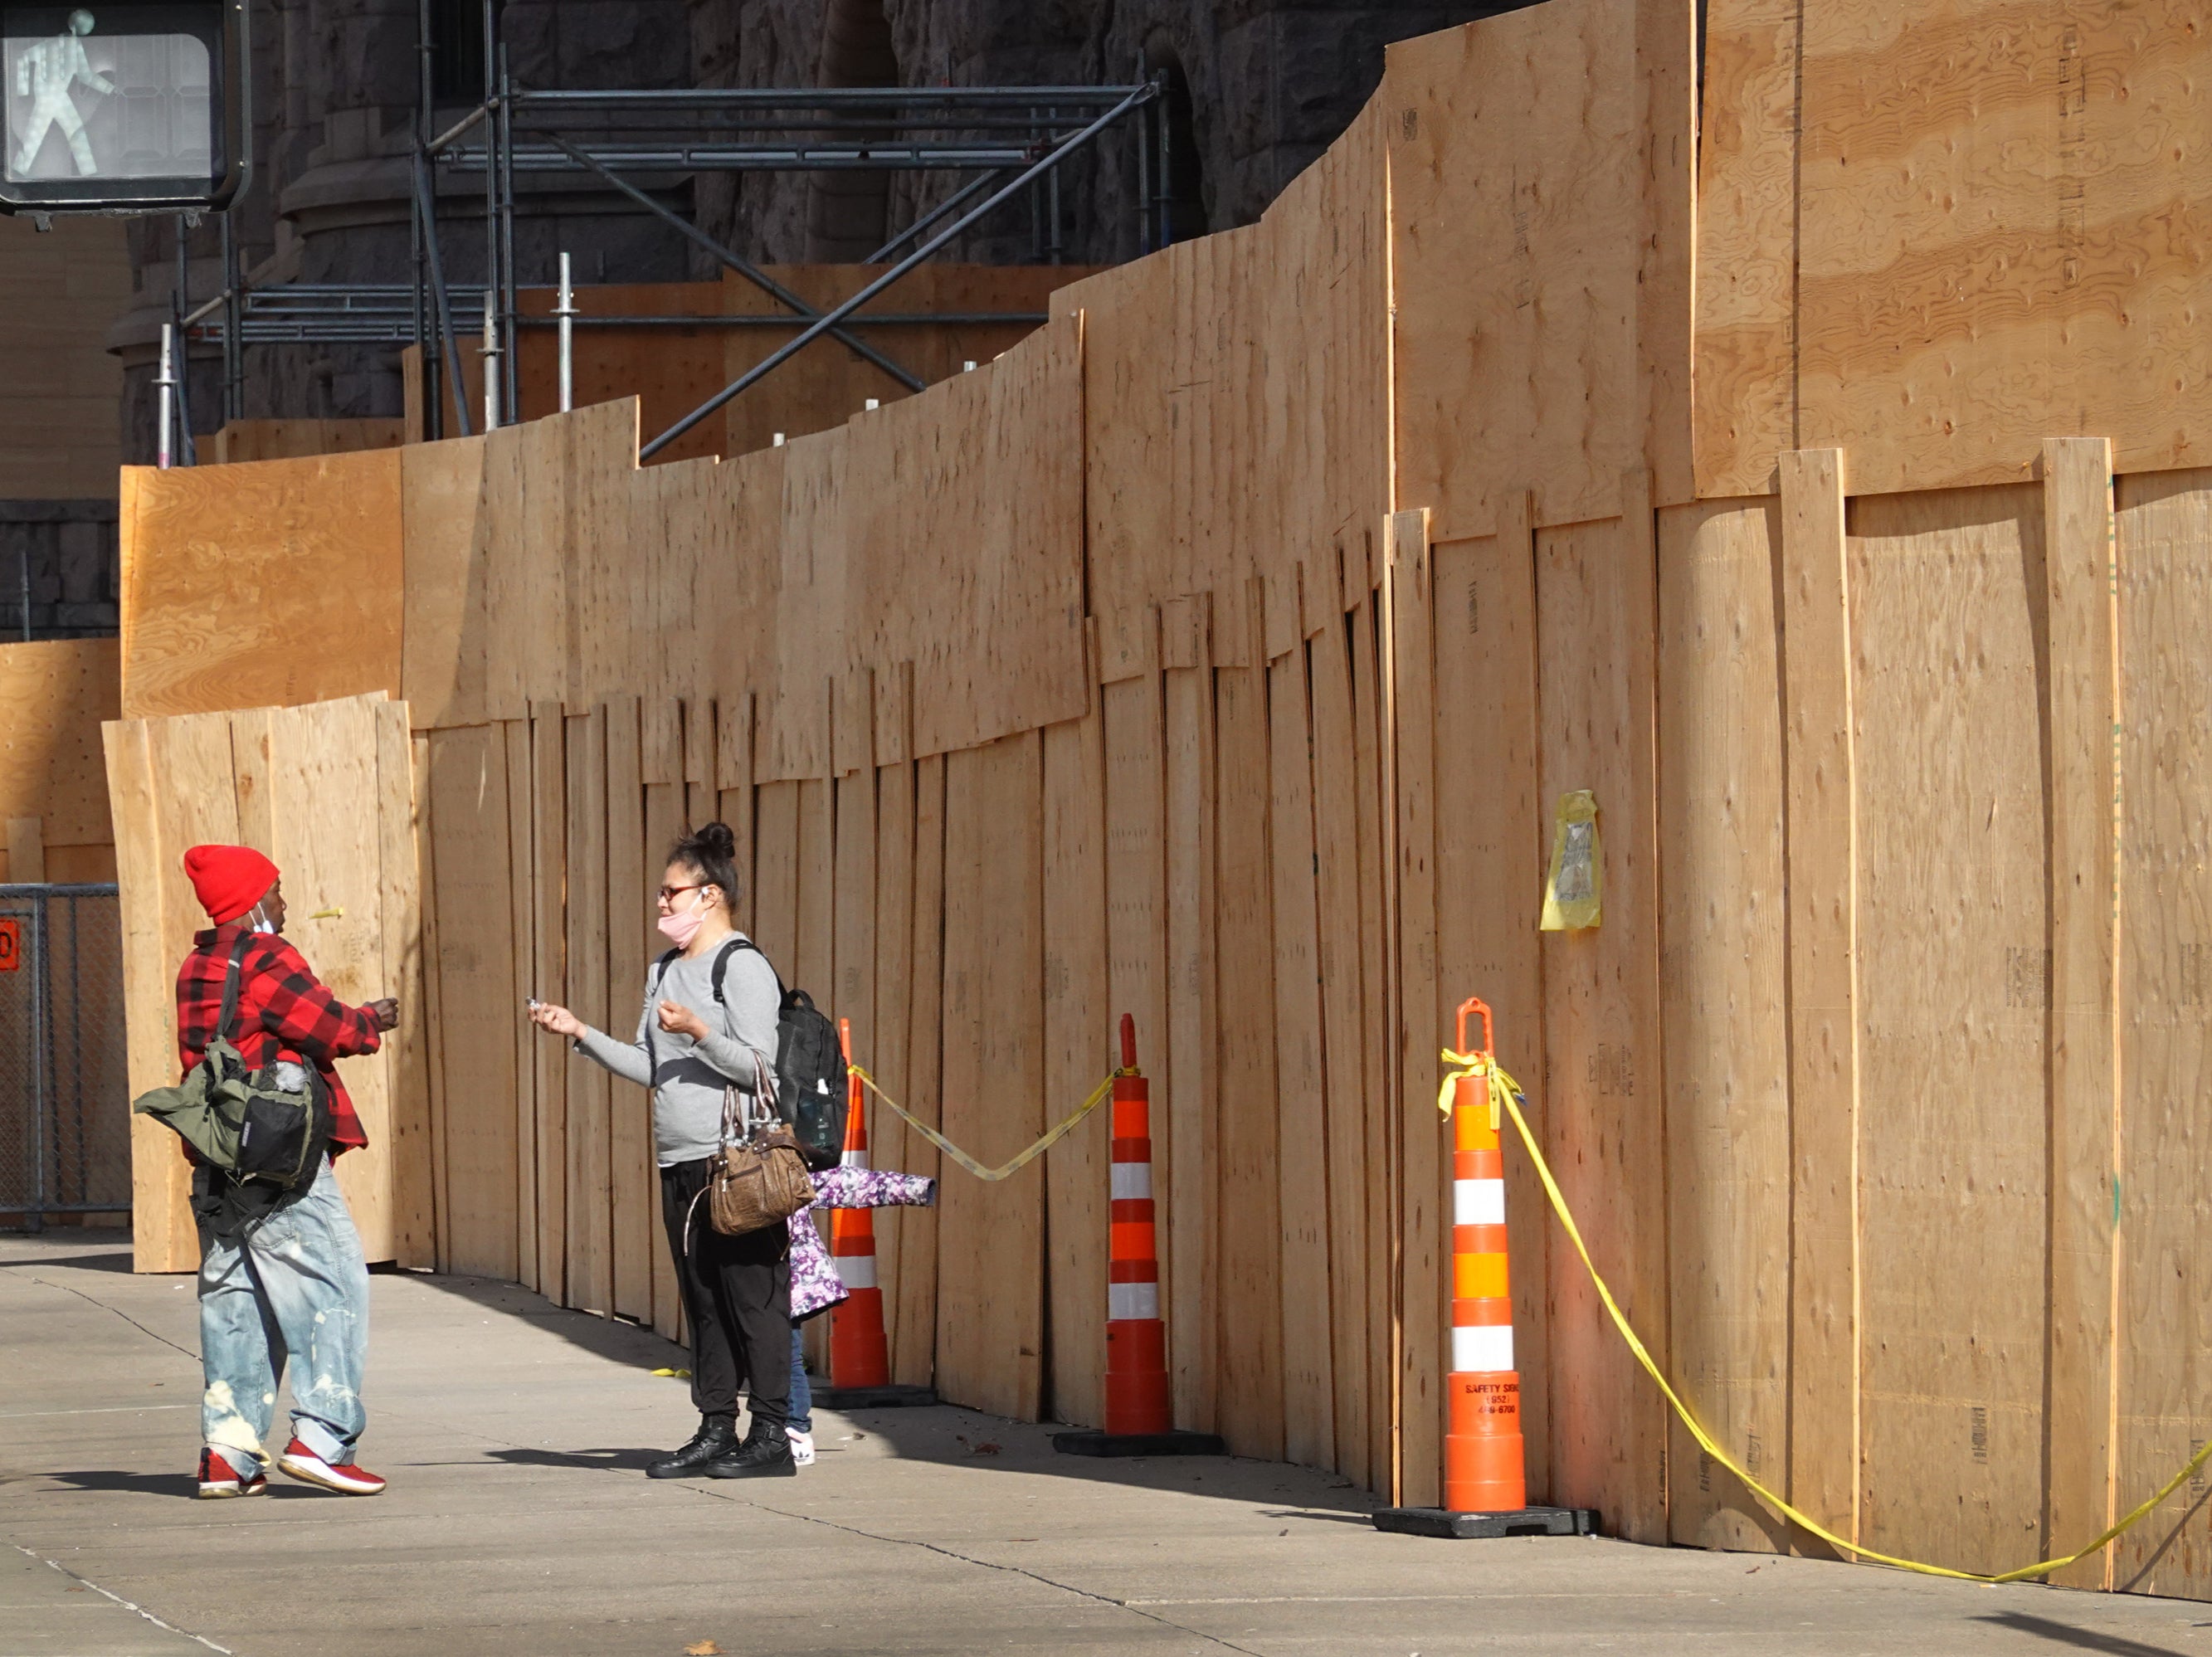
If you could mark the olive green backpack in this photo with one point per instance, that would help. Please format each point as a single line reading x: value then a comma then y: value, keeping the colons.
x: 243, y: 1122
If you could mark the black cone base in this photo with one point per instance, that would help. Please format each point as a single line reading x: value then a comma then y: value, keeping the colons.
x: 1528, y: 1522
x: 872, y: 1397
x: 1091, y: 1443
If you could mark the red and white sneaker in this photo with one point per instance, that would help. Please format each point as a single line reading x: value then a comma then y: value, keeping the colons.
x: 218, y: 1478
x: 304, y: 1465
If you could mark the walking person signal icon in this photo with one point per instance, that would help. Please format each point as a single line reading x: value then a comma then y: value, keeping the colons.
x: 134, y: 106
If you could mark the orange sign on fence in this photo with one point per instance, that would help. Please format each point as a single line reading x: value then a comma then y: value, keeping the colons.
x: 11, y: 945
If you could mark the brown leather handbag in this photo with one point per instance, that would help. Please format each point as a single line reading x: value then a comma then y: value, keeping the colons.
x: 756, y: 1180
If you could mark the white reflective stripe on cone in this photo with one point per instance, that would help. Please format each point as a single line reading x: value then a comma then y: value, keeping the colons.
x: 856, y: 1270
x: 1483, y: 1349
x: 1131, y: 1299
x: 852, y: 1159
x: 1478, y: 1202
x: 1133, y: 1182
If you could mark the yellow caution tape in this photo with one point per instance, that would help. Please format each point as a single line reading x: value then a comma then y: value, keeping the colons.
x: 2041, y: 1568
x: 336, y: 913
x: 1503, y: 1088
x: 1098, y: 1096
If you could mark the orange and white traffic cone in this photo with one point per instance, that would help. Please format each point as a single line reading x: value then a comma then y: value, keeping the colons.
x: 859, y: 1357
x: 1485, y: 1472
x: 1139, y: 1406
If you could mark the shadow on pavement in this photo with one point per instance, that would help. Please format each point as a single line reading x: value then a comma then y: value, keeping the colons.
x: 945, y: 1434
x: 2059, y: 1633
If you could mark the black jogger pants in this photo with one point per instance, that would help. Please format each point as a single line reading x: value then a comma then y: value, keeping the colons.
x: 737, y: 1298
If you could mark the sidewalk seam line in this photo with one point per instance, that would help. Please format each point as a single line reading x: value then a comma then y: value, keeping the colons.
x: 55, y: 1564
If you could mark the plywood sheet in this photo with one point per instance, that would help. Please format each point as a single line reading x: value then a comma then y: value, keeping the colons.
x: 1514, y: 235
x: 1724, y: 1017
x: 1605, y: 1109
x: 196, y: 538
x: 1491, y: 843
x: 478, y: 996
x: 1185, y: 1099
x: 990, y: 1242
x: 914, y: 1345
x: 635, y: 1188
x: 1986, y: 253
x: 1952, y: 991
x: 57, y: 693
x: 2161, y: 1221
x: 441, y: 646
x: 588, y: 1231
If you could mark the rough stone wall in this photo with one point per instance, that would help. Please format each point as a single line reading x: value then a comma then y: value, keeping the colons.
x: 59, y: 559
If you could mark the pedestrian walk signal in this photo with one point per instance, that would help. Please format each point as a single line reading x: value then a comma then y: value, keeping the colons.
x: 131, y: 107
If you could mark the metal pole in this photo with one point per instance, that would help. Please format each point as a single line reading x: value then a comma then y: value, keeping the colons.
x: 425, y: 199
x: 23, y: 562
x: 1052, y: 248
x: 234, y: 344
x: 164, y: 384
x: 509, y: 301
x: 934, y: 214
x: 566, y: 310
x: 491, y: 380
x: 742, y: 266
x: 186, y: 450
x: 42, y: 1058
x: 1167, y: 170
x: 1143, y: 125
x: 844, y: 308
x: 491, y: 207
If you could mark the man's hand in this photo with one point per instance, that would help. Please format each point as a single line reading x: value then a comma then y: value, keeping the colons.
x: 557, y: 1021
x: 679, y: 1020
x: 384, y: 1014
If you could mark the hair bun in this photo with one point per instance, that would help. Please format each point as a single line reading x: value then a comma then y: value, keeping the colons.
x: 716, y: 840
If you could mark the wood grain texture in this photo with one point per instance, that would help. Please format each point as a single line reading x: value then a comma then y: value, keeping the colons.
x: 197, y: 538
x: 1724, y: 1012
x: 1819, y: 725
x: 1079, y: 1028
x: 990, y: 1237
x: 1515, y: 229
x: 914, y: 1345
x: 1248, y: 1354
x: 529, y: 1042
x: 1185, y: 1103
x: 441, y: 535
x: 548, y: 821
x: 2082, y: 692
x: 636, y: 1185
x: 2157, y: 1214
x: 1309, y: 1358
x: 1493, y: 844
x: 1987, y: 256
x: 406, y: 929
x: 58, y: 692
x: 1951, y: 999
x: 895, y: 1144
x: 1606, y: 1118
x: 479, y: 1003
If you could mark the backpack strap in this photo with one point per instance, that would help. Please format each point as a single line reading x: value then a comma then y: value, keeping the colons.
x: 722, y: 965
x: 228, y: 1016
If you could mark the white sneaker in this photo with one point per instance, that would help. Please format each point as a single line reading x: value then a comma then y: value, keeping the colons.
x: 802, y: 1448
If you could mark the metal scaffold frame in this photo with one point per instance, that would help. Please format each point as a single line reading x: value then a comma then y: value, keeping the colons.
x: 1009, y: 143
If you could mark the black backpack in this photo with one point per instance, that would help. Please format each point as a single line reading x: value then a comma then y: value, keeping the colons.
x: 810, y: 1064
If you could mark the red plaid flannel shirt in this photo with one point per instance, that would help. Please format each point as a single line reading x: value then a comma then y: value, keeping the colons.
x: 284, y: 1011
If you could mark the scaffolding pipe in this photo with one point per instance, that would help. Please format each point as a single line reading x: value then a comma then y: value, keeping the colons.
x: 164, y: 385
x: 426, y: 205
x: 744, y: 267
x: 566, y: 310
x: 837, y: 314
x: 490, y: 355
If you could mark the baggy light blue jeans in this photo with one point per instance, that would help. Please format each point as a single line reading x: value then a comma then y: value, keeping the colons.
x: 297, y: 1288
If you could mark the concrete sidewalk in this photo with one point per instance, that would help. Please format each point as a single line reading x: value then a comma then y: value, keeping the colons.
x: 518, y: 1521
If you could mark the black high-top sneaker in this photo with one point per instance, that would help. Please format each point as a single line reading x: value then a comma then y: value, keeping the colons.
x: 766, y: 1454
x: 715, y: 1437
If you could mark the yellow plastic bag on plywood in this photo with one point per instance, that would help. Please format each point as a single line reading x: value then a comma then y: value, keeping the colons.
x: 1574, y: 895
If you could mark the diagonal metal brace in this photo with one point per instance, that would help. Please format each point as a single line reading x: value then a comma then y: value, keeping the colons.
x: 742, y: 266
x: 844, y: 308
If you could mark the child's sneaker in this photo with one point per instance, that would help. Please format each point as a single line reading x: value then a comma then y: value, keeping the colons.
x: 802, y: 1448
x: 218, y: 1478
x: 304, y: 1465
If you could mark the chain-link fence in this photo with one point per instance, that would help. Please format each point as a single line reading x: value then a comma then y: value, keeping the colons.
x: 64, y: 1093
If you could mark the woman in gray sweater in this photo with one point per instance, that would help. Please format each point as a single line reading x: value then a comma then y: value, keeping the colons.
x: 695, y: 1037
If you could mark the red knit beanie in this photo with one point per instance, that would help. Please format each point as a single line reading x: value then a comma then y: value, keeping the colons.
x: 229, y: 879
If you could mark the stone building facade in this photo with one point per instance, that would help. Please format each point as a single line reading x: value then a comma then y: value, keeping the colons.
x: 1257, y: 89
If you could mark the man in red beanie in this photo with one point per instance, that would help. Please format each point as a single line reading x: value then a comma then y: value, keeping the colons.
x: 282, y: 1275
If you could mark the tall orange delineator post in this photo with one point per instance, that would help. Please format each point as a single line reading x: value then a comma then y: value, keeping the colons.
x: 859, y: 1357
x: 1139, y: 1404
x: 1484, y: 1470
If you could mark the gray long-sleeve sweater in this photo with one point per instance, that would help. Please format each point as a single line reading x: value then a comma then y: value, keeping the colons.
x: 687, y: 1077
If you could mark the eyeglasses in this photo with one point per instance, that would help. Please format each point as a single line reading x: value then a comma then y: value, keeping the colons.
x: 670, y: 894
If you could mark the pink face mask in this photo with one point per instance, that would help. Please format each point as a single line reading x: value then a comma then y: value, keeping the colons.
x: 683, y: 926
